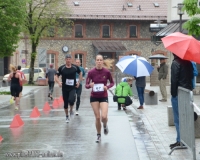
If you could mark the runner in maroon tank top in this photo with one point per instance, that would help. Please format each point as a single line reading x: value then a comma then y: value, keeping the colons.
x: 97, y: 79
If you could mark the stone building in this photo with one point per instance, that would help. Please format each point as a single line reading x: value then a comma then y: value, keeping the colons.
x: 112, y: 28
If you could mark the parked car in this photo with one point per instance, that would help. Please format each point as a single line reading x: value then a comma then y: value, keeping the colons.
x: 38, y: 73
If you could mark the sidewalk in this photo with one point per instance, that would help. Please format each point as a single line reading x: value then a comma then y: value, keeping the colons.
x: 150, y: 126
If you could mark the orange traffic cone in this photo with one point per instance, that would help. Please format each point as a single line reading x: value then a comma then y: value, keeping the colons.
x: 35, y: 113
x: 60, y: 101
x: 17, y: 121
x: 1, y: 138
x: 55, y: 103
x: 46, y: 107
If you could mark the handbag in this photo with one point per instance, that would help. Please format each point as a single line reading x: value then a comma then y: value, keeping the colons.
x: 114, y: 98
x: 128, y: 101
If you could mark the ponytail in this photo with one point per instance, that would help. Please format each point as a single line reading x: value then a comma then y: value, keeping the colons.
x: 108, y: 63
x: 13, y: 68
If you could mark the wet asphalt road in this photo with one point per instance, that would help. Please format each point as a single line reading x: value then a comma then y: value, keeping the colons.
x: 50, y: 134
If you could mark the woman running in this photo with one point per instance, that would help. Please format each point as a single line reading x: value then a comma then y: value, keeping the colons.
x: 97, y: 79
x: 15, y: 87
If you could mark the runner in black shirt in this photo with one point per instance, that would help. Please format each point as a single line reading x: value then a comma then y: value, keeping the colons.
x: 68, y: 84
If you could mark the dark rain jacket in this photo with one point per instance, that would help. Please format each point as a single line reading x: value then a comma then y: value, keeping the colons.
x: 181, y: 75
x: 163, y: 71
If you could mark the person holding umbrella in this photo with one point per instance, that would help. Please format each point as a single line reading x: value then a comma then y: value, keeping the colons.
x: 185, y: 49
x: 162, y: 75
x: 181, y: 75
x: 139, y: 68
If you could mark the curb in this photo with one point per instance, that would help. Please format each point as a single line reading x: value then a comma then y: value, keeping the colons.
x: 7, y: 103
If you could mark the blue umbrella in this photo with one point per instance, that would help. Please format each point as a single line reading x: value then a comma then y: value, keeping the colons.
x: 135, y: 65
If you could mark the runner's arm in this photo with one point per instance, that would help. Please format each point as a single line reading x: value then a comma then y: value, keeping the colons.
x: 57, y: 77
x: 20, y: 77
x: 111, y: 81
x: 88, y: 79
x: 9, y: 77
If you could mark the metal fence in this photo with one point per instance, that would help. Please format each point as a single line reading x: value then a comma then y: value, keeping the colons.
x: 186, y: 120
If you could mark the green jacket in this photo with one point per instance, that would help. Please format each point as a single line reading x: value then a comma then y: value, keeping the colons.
x: 126, y: 91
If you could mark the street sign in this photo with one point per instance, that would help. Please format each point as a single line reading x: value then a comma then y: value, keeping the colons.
x: 42, y: 57
x: 23, y: 61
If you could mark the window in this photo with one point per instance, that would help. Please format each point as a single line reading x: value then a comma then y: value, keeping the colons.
x: 50, y: 60
x: 37, y: 70
x: 79, y: 56
x: 25, y: 71
x: 133, y: 31
x: 106, y: 31
x: 78, y: 30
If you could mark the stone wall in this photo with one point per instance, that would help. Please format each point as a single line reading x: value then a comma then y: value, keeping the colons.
x: 92, y: 33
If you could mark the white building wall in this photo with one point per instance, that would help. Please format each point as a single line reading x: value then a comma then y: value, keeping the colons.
x: 172, y: 12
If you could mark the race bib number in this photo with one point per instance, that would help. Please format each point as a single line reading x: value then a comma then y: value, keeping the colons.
x: 69, y: 82
x: 98, y: 87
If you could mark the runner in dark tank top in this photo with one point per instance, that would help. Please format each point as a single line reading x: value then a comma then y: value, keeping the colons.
x: 15, y: 87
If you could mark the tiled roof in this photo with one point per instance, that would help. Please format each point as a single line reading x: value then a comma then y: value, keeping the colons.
x: 113, y: 9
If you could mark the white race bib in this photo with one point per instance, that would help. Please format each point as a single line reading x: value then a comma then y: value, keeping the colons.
x: 69, y: 82
x: 98, y: 87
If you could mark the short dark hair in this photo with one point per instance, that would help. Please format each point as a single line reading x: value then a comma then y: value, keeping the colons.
x: 68, y: 56
x: 19, y: 67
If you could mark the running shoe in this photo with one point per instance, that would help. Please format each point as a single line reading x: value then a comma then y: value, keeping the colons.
x: 98, y: 138
x: 67, y: 119
x: 106, y: 130
x: 77, y: 113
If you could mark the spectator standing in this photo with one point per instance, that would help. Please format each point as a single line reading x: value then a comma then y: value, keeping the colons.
x: 140, y: 85
x: 162, y: 76
x: 181, y: 75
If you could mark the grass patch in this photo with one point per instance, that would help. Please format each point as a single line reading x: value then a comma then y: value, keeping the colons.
x: 29, y: 84
x: 5, y: 93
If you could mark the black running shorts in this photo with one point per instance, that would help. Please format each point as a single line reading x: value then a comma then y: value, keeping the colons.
x: 94, y: 99
x: 69, y: 97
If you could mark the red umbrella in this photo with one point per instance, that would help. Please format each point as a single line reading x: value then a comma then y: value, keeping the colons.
x: 184, y: 46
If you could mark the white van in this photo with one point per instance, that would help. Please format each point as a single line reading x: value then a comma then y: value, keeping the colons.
x: 38, y: 73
